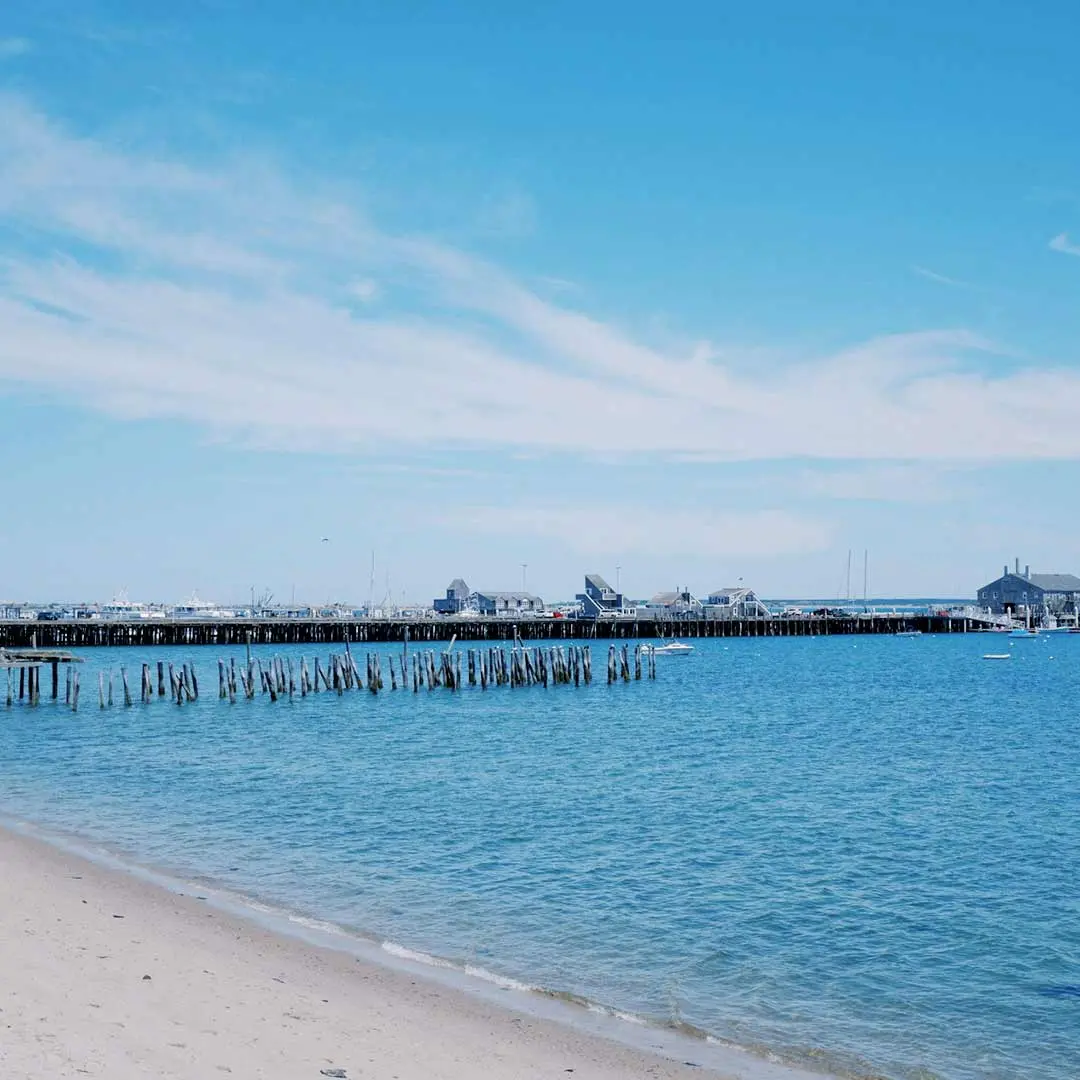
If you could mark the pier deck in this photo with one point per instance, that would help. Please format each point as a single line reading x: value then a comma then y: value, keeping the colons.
x: 85, y: 633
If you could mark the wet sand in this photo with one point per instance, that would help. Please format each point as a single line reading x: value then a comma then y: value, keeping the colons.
x: 105, y: 974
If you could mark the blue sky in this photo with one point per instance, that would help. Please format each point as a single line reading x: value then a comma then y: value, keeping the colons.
x: 697, y: 291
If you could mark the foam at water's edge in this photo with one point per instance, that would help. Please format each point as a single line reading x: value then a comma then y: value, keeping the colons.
x: 679, y: 1042
x: 402, y: 953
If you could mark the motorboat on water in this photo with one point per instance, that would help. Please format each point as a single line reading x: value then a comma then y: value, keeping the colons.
x: 669, y: 648
x: 1026, y: 630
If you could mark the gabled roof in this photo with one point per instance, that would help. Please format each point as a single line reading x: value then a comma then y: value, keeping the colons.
x: 597, y: 582
x: 666, y: 598
x: 458, y: 587
x: 1055, y: 582
x: 1045, y: 582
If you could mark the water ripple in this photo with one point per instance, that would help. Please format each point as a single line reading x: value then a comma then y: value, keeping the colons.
x: 864, y: 859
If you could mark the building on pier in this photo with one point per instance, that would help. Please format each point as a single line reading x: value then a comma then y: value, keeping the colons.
x: 681, y: 603
x: 735, y: 602
x: 456, y: 599
x: 1045, y: 597
x: 505, y: 603
x: 599, y: 598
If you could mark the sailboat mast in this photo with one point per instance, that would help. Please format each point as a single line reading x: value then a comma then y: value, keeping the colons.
x: 847, y: 595
x: 865, y: 575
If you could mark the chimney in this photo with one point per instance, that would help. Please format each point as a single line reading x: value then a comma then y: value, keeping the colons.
x: 1018, y: 567
x: 1005, y: 570
x: 1027, y: 572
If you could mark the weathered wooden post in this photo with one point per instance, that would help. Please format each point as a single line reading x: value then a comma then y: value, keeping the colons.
x: 123, y: 679
x: 160, y: 678
x: 56, y: 679
x: 101, y: 689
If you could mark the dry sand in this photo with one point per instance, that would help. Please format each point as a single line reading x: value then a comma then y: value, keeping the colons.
x: 104, y: 974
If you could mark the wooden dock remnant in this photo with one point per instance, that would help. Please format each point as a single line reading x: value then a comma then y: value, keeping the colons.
x: 28, y: 663
x: 536, y: 665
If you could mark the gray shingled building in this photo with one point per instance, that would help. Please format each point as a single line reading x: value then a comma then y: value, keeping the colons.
x: 1043, y: 595
x: 599, y: 598
x: 457, y: 596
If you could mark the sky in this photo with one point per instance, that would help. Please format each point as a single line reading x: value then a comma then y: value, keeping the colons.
x: 682, y: 294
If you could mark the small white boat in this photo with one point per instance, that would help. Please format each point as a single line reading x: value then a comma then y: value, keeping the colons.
x: 1023, y: 631
x: 670, y: 648
x: 997, y: 656
x: 908, y: 633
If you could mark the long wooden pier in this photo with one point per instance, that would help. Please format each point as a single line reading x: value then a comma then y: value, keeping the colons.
x: 87, y: 633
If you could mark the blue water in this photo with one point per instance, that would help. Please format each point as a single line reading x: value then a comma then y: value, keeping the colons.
x: 862, y: 853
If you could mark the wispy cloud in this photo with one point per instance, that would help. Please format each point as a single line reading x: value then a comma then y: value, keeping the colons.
x: 941, y: 279
x: 10, y: 47
x: 1062, y: 243
x: 599, y: 529
x: 895, y: 482
x: 227, y: 296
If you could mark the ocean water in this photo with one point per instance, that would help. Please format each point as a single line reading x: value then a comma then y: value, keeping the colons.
x: 861, y: 853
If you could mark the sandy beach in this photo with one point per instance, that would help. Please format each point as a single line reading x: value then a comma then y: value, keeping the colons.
x: 105, y: 974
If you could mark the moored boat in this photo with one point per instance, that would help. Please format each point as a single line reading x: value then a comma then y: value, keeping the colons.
x: 670, y: 648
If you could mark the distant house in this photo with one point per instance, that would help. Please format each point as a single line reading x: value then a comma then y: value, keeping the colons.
x: 1041, y: 595
x: 680, y: 602
x: 457, y: 596
x: 599, y: 598
x: 506, y: 603
x: 735, y: 602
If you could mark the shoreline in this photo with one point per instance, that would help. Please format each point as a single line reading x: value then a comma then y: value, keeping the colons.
x: 53, y: 897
